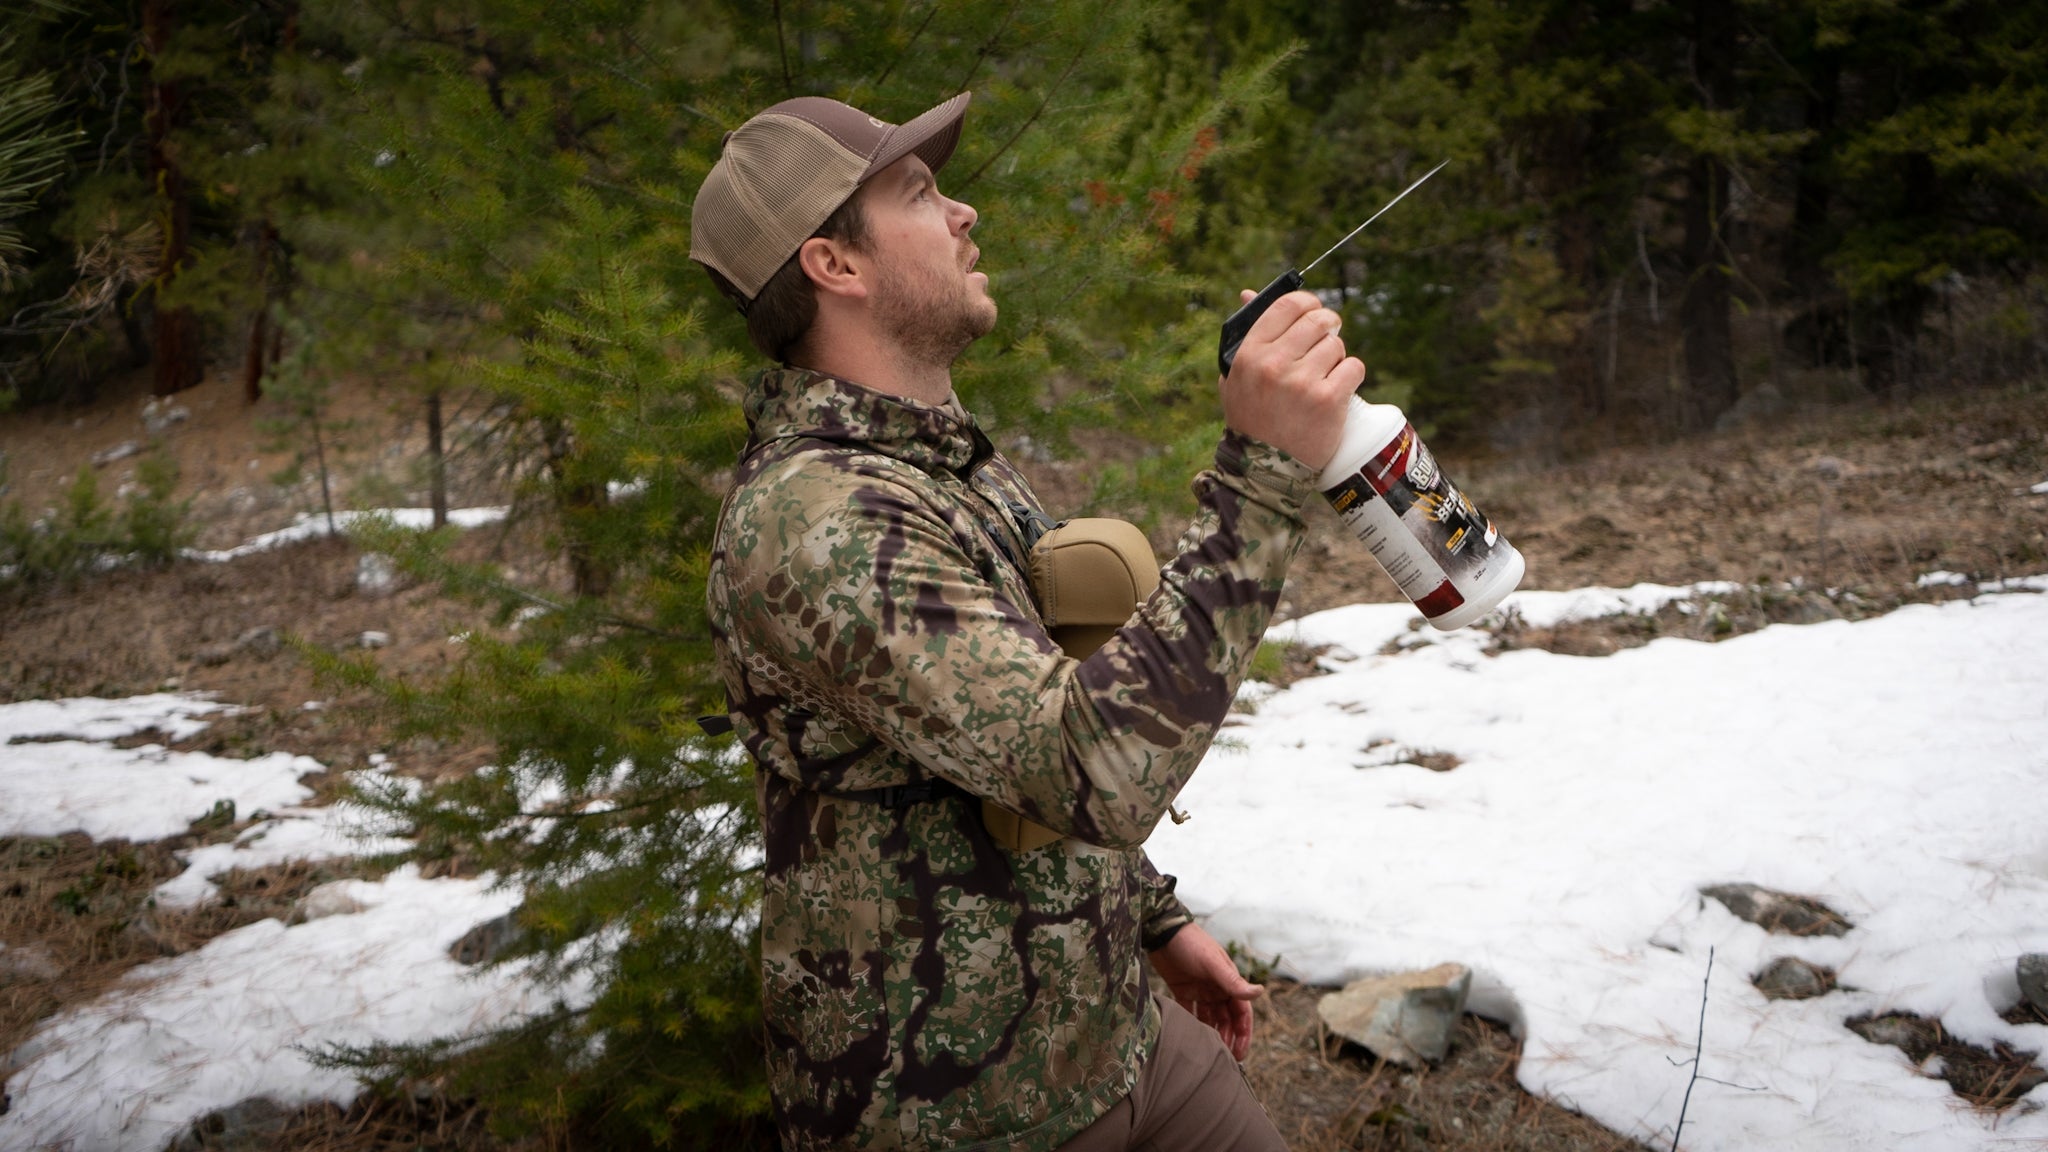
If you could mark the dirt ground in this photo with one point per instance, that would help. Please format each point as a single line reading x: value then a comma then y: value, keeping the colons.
x: 1860, y: 499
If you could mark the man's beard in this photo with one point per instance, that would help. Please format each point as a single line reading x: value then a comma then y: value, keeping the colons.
x: 932, y: 319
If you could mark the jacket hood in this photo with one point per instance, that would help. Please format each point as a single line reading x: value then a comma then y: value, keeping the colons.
x: 792, y: 403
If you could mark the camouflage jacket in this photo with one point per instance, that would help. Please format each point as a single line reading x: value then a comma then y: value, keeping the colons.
x: 924, y: 988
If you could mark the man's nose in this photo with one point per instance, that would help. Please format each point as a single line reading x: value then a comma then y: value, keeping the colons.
x: 964, y: 215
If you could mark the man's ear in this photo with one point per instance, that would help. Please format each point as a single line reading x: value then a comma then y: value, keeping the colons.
x: 835, y: 267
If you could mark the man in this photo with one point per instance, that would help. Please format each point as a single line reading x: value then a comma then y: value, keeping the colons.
x: 889, y: 670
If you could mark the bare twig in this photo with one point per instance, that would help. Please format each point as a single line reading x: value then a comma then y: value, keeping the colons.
x: 907, y: 46
x: 782, y: 49
x: 1698, y: 1044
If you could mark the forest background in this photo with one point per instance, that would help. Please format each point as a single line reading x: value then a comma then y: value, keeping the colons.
x: 1658, y: 218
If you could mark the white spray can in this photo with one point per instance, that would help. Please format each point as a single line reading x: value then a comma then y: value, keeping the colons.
x: 1445, y: 555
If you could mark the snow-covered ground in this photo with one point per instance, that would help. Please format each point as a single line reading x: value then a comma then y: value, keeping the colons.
x: 1896, y: 768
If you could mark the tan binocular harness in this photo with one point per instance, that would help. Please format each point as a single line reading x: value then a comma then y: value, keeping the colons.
x: 1089, y: 576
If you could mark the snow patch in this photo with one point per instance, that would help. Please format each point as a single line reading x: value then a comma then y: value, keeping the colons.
x: 1891, y: 767
x: 186, y: 1036
x: 52, y: 782
x: 313, y: 525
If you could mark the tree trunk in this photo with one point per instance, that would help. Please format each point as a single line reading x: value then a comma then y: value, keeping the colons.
x: 177, y: 343
x: 252, y: 358
x: 1893, y: 347
x: 574, y: 503
x: 437, y: 460
x: 1709, y: 339
x: 259, y: 323
x: 1818, y: 330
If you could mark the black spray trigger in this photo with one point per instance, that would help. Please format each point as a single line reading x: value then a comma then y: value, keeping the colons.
x: 1240, y: 323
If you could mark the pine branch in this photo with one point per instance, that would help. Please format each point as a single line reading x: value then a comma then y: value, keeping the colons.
x: 987, y: 47
x: 1050, y: 90
x: 907, y: 46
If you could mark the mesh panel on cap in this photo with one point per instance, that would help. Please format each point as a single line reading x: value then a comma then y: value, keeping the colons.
x: 779, y: 179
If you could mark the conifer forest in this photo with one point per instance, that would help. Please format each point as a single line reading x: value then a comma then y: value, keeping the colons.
x: 1659, y: 218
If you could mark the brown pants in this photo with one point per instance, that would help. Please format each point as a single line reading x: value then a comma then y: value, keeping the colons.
x: 1190, y: 1095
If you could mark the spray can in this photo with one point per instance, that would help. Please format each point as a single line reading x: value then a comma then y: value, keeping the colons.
x: 1446, y: 556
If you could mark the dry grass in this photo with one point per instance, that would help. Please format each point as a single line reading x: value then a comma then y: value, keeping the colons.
x: 1992, y: 1080
x: 2024, y: 1013
x: 1713, y: 618
x: 374, y: 1123
x: 77, y: 916
x: 1328, y: 1096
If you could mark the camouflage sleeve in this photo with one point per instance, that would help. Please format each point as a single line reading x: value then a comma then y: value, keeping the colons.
x: 1161, y: 913
x: 868, y: 593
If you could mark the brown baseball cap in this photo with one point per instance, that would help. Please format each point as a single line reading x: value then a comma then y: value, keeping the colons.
x: 786, y: 170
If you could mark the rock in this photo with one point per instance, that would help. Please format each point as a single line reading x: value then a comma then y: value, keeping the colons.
x: 252, y: 1125
x: 1779, y: 912
x: 1404, y: 1019
x: 329, y: 900
x: 1830, y: 467
x: 1916, y: 1036
x: 2033, y: 974
x: 375, y: 574
x: 373, y: 640
x: 1760, y: 402
x: 30, y: 963
x: 1811, y: 608
x: 1790, y: 978
x: 121, y: 451
x: 159, y: 414
x: 481, y: 944
x: 215, y: 654
x: 261, y: 641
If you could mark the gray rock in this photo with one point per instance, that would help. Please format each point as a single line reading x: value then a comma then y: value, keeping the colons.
x: 1404, y: 1019
x: 374, y: 640
x: 1760, y: 402
x: 160, y: 414
x: 30, y: 963
x: 1790, y: 978
x: 375, y: 574
x: 2033, y: 974
x: 1779, y: 912
x: 481, y: 944
x: 1916, y: 1036
x: 215, y: 654
x: 253, y: 1125
x: 329, y: 900
x: 1812, y: 608
x: 261, y: 641
x: 121, y: 451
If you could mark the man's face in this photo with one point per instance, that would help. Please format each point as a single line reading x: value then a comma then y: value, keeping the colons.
x: 928, y: 298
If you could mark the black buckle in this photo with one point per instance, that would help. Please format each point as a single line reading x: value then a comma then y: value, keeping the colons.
x: 905, y: 795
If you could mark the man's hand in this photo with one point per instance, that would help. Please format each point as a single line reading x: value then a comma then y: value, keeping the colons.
x: 1205, y: 981
x: 1291, y: 381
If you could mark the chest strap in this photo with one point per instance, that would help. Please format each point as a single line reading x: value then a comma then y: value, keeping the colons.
x: 897, y: 796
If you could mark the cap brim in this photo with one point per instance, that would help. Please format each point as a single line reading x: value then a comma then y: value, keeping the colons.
x: 931, y: 135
